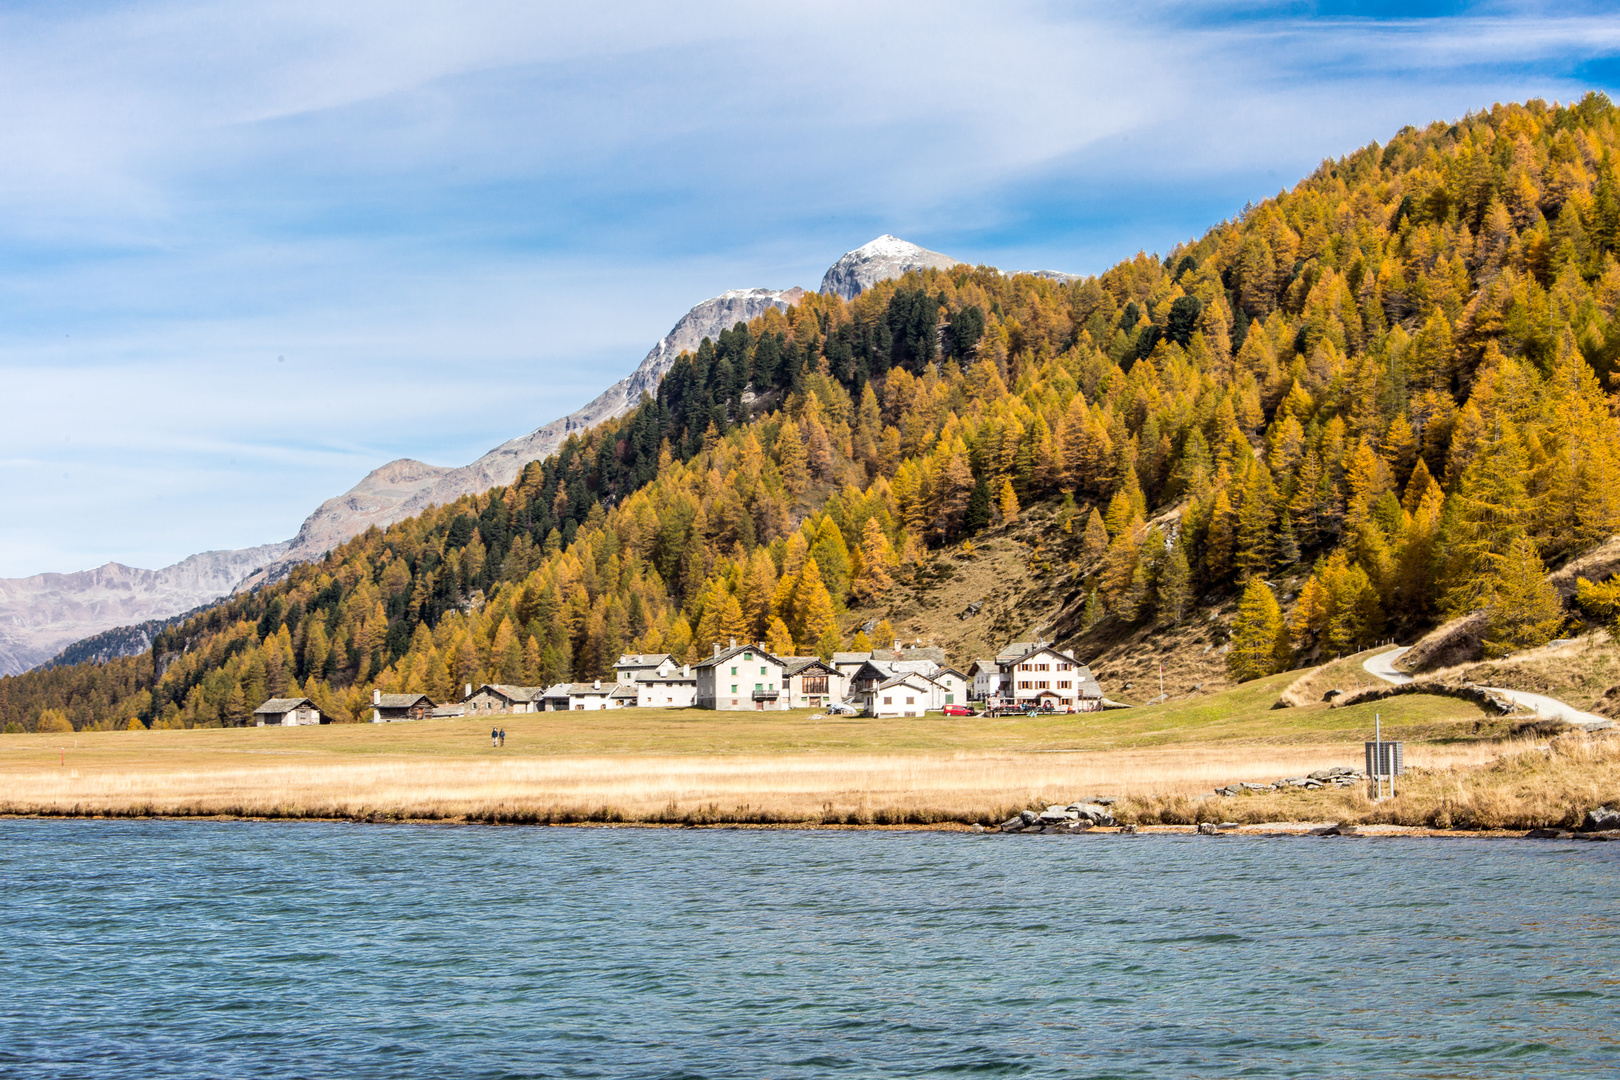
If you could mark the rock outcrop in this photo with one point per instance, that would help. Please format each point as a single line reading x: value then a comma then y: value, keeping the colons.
x: 884, y: 258
x: 41, y: 614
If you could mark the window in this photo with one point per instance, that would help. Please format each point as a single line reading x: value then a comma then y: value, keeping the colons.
x: 950, y: 699
x: 759, y: 688
x: 1065, y: 685
x: 581, y: 708
x: 748, y: 656
x: 815, y: 684
x: 1065, y: 667
x: 734, y: 671
x: 911, y: 701
x: 762, y: 670
x: 734, y: 688
x: 888, y: 701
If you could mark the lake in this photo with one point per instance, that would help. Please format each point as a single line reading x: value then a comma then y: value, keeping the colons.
x: 244, y: 949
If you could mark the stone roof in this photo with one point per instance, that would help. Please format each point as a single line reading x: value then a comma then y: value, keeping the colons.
x: 1016, y: 650
x: 904, y: 679
x: 624, y: 691
x: 919, y: 652
x: 512, y: 693
x: 445, y: 712
x: 796, y: 664
x: 278, y: 705
x: 727, y: 654
x: 850, y: 657
x: 400, y: 701
x: 642, y: 659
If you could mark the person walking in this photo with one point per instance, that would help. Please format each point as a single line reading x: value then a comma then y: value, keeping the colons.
x: 494, y: 736
x: 503, y: 736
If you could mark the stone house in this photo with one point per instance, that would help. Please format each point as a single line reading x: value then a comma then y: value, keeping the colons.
x: 741, y: 677
x: 494, y: 698
x: 392, y: 708
x: 288, y: 712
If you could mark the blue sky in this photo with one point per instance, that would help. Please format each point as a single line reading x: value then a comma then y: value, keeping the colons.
x: 250, y: 251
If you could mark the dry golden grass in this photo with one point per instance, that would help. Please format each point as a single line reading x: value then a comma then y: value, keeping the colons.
x: 704, y: 767
x: 698, y: 766
x: 916, y: 786
x: 1584, y: 672
x: 1524, y: 786
x: 1346, y: 674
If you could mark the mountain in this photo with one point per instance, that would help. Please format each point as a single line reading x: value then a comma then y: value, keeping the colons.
x: 41, y: 614
x: 884, y: 258
x: 118, y: 642
x: 405, y: 487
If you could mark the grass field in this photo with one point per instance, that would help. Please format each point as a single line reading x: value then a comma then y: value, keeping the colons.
x: 698, y: 766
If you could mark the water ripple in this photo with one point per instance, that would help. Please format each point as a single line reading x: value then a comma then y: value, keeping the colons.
x: 207, y: 949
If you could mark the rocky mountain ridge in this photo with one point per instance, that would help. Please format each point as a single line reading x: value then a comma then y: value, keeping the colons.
x: 879, y: 260
x: 41, y: 614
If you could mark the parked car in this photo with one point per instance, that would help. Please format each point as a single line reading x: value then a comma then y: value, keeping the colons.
x: 839, y: 708
x: 958, y: 710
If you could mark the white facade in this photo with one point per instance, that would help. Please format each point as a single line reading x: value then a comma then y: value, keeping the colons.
x: 953, y: 687
x: 986, y: 679
x: 1043, y: 676
x: 676, y: 692
x: 743, y: 677
x: 903, y: 695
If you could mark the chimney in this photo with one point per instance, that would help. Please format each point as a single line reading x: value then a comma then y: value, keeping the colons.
x: 468, y: 692
x: 896, y: 644
x: 596, y: 684
x: 717, y: 650
x: 376, y: 696
x: 733, y: 641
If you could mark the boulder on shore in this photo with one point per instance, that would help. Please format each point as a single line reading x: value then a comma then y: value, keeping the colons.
x: 1601, y: 819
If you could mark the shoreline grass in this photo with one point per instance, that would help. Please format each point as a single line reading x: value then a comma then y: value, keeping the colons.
x: 703, y: 768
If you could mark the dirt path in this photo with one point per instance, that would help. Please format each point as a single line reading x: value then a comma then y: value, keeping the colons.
x: 1383, y: 666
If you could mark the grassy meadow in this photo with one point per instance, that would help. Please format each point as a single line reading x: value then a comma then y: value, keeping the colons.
x: 691, y: 766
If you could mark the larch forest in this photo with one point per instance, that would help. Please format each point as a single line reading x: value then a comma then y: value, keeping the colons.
x: 1398, y: 378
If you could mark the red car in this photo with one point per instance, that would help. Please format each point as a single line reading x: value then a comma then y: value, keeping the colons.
x: 957, y: 710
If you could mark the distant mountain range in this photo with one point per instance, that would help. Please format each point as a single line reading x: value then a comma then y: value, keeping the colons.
x: 40, y: 615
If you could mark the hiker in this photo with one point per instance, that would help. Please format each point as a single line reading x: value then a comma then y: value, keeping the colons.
x: 503, y: 736
x: 494, y: 736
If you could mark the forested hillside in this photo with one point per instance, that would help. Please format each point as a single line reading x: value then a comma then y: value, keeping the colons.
x: 1396, y: 378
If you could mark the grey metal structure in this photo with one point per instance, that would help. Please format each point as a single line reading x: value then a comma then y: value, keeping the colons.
x: 1385, y: 760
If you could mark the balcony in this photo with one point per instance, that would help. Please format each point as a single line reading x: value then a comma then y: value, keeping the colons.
x: 768, y: 694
